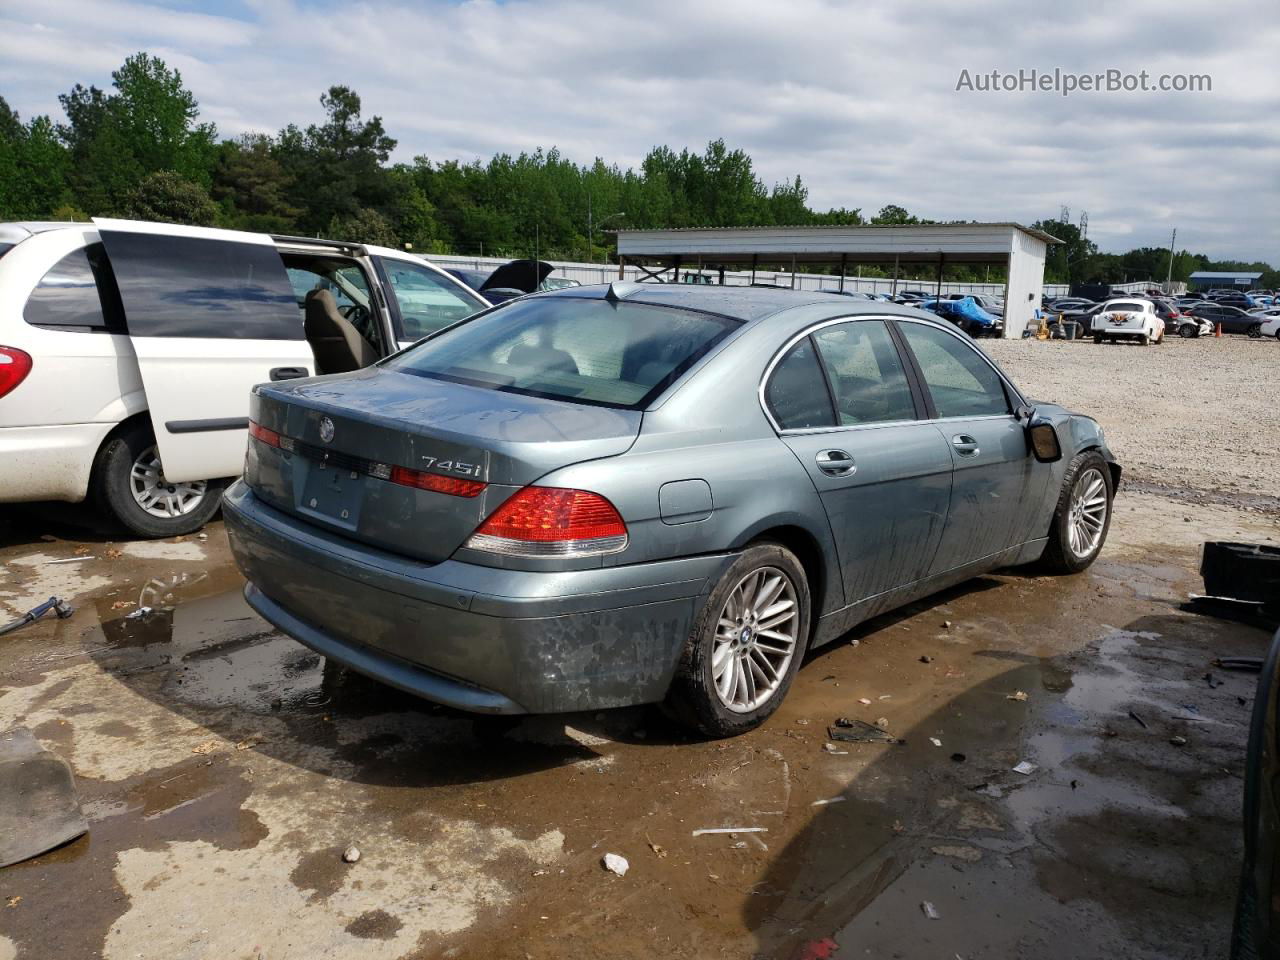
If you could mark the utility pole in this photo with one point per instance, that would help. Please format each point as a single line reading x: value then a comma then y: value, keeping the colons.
x: 1168, y: 280
x: 590, y: 236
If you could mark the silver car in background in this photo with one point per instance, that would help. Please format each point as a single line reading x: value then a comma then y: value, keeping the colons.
x: 628, y: 494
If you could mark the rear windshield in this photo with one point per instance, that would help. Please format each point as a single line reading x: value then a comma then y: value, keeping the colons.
x: 5, y: 248
x: 566, y: 348
x: 1126, y: 306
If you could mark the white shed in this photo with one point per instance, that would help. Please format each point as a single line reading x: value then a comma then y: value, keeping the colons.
x: 1019, y: 248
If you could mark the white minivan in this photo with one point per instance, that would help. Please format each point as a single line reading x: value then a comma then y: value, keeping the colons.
x: 128, y: 350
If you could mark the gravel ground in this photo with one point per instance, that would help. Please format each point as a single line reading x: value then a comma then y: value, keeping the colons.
x: 1195, y: 418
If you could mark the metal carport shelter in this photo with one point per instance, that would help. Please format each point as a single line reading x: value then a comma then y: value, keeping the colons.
x: 1011, y: 245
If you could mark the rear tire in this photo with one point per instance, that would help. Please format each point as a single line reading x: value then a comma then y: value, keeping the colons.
x: 1077, y: 507
x: 1143, y: 340
x: 119, y: 487
x: 1186, y: 331
x: 1255, y: 331
x: 706, y: 693
x: 1097, y: 338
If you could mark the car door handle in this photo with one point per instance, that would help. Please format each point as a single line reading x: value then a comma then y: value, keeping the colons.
x: 965, y: 445
x: 836, y: 463
x: 289, y: 373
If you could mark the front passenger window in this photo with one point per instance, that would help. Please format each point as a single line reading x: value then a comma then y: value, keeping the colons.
x: 961, y: 382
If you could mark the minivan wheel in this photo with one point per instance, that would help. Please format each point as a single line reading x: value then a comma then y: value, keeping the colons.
x: 130, y: 485
x: 1083, y: 515
x: 746, y: 645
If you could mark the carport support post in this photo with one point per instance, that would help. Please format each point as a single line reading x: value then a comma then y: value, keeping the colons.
x: 754, y: 257
x: 622, y: 270
x: 843, y: 258
x: 793, y: 271
x: 893, y: 292
x: 941, y: 258
x: 676, y: 267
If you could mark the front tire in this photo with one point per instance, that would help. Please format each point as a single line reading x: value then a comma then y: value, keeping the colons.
x: 1083, y: 515
x: 1097, y: 338
x: 746, y: 645
x: 130, y: 486
x: 1186, y: 331
x: 1255, y: 331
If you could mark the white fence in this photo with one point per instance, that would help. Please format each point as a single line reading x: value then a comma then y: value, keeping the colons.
x: 605, y: 273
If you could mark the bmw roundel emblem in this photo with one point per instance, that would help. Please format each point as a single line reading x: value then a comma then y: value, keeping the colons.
x: 326, y: 429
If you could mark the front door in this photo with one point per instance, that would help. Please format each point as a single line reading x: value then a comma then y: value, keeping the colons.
x: 844, y: 405
x: 210, y: 313
x: 423, y: 299
x: 998, y: 486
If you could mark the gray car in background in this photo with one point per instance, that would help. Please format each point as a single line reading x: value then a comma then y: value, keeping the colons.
x: 627, y: 494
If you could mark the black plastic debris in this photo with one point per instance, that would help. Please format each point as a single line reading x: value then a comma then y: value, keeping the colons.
x: 858, y: 731
x: 39, y: 806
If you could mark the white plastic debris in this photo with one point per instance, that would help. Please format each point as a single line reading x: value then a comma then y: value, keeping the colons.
x: 935, y: 741
x: 829, y: 800
x: 833, y: 749
x: 1026, y: 768
x: 1017, y: 695
x: 864, y: 701
x: 616, y: 864
x: 706, y: 830
x: 930, y: 910
x: 351, y: 854
x: 140, y: 614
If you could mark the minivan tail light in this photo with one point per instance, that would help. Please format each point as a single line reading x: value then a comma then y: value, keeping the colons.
x: 263, y: 435
x: 552, y: 522
x: 15, y: 364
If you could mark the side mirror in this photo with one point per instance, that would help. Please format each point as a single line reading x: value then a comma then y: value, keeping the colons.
x: 1044, y: 441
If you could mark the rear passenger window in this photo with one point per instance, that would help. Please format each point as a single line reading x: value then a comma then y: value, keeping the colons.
x: 960, y: 381
x: 78, y: 294
x: 866, y: 373
x: 189, y: 286
x: 796, y: 394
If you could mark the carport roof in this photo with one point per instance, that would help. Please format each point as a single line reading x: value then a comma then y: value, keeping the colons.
x: 854, y: 244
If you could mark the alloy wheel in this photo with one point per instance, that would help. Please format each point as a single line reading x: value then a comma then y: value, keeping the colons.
x: 1088, y: 513
x: 158, y: 496
x: 755, y: 639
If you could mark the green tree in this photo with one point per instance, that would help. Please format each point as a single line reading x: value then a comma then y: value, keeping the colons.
x: 364, y: 225
x: 251, y: 185
x: 166, y: 197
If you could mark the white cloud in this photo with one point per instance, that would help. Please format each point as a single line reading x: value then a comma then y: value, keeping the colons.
x: 859, y: 99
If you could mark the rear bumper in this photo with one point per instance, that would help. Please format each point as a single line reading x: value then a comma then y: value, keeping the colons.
x: 48, y: 463
x: 472, y: 637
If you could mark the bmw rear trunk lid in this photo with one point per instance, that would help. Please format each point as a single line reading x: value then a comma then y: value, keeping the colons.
x: 330, y: 447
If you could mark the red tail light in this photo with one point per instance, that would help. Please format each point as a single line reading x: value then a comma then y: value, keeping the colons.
x: 15, y: 364
x: 263, y: 435
x: 552, y: 522
x: 453, y: 486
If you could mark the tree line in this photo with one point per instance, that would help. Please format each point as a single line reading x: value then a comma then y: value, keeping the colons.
x: 140, y: 150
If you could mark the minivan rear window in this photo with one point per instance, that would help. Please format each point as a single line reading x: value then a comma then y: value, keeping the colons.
x: 78, y: 293
x: 601, y: 352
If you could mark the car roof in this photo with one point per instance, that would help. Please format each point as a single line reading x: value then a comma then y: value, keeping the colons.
x: 19, y: 230
x: 741, y: 303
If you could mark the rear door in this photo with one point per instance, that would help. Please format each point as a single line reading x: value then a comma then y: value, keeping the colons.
x: 998, y: 487
x: 842, y: 401
x: 210, y: 313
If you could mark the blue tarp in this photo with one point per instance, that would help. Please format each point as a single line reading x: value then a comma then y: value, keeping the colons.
x: 964, y: 312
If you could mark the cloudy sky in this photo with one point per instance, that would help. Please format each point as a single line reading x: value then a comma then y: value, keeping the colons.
x: 860, y: 99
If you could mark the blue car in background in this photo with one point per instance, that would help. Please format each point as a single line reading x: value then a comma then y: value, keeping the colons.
x: 967, y: 315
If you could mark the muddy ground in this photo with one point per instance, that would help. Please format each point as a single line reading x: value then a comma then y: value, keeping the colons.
x: 224, y: 770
